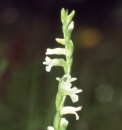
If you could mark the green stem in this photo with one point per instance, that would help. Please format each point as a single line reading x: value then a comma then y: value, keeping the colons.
x: 60, y: 100
x: 62, y: 103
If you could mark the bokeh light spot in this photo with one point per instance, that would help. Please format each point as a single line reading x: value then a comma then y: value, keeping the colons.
x: 88, y: 37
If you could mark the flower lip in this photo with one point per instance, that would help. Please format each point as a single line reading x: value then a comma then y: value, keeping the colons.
x: 47, y: 60
x: 48, y: 63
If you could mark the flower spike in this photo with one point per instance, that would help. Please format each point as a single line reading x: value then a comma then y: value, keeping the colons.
x: 65, y: 83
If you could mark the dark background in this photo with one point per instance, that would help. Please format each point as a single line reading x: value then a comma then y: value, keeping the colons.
x: 27, y: 91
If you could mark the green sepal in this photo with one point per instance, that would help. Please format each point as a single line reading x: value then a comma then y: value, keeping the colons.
x: 69, y: 32
x: 61, y: 62
x: 57, y: 120
x: 70, y: 17
x: 58, y: 100
x: 69, y: 64
x: 64, y: 29
x: 61, y: 41
x: 69, y: 59
x: 64, y: 15
x: 70, y: 48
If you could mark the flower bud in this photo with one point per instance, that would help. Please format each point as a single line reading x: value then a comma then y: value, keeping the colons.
x: 70, y: 17
x: 63, y: 124
x: 63, y: 15
x: 61, y: 41
x: 50, y: 128
x: 58, y: 51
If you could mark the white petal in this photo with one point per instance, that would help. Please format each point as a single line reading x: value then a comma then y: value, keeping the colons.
x: 66, y: 86
x: 75, y: 90
x: 50, y: 128
x: 72, y: 94
x: 63, y: 122
x: 73, y: 79
x: 67, y: 90
x: 59, y: 51
x: 71, y: 110
x: 71, y: 25
x: 58, y: 78
x: 48, y: 68
x: 59, y: 40
x: 47, y: 59
x: 67, y: 78
x: 45, y: 63
x: 74, y: 98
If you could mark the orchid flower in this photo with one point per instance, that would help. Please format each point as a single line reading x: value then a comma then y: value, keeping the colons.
x: 71, y: 110
x: 53, y: 62
x: 58, y: 51
x: 66, y: 87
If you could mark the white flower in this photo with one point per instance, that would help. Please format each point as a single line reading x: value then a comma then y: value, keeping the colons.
x: 63, y: 122
x: 49, y: 63
x: 72, y: 93
x: 59, y: 51
x: 53, y: 62
x: 50, y: 128
x: 66, y: 87
x: 71, y: 110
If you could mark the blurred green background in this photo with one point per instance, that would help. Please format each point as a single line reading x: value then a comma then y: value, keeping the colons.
x: 27, y: 91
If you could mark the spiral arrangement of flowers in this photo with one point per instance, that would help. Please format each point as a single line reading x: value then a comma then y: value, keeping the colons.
x: 65, y: 86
